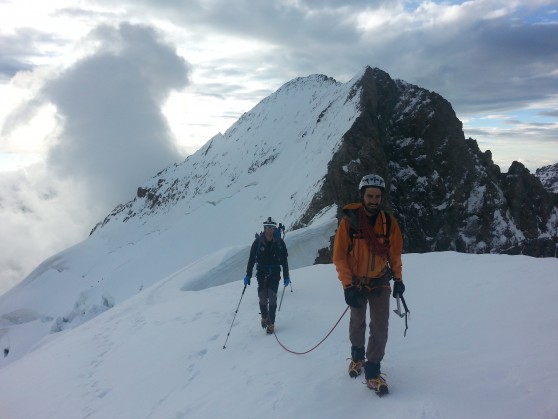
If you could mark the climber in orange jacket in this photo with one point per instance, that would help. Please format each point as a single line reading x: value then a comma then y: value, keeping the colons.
x: 367, y: 254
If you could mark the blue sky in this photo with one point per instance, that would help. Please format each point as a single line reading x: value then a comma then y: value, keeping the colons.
x: 546, y: 14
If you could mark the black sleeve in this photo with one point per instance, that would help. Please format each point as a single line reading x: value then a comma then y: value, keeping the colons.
x: 284, y: 259
x: 252, y: 258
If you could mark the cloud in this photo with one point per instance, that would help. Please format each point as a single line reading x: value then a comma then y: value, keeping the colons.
x: 477, y: 54
x: 18, y: 50
x: 37, y: 221
x: 21, y: 115
x: 112, y: 136
x: 552, y: 114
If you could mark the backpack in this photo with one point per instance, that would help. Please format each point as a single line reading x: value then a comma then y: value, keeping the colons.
x: 276, y: 233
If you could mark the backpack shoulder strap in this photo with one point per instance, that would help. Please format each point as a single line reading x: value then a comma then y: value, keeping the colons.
x: 259, y: 238
x: 388, y: 230
x: 354, y: 222
x: 387, y: 217
x: 354, y: 227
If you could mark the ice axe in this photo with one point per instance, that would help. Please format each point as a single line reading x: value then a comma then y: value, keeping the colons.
x: 400, y: 298
x: 398, y: 311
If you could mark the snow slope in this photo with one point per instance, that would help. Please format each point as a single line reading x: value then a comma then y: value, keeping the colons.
x: 481, y: 343
x: 215, y: 200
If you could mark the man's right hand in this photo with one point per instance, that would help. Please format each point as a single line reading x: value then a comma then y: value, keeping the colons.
x: 246, y: 280
x: 353, y: 296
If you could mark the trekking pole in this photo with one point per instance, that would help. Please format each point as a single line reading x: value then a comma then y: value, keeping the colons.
x: 225, y: 345
x: 284, y: 234
x: 291, y: 283
x: 7, y: 348
x: 281, y: 302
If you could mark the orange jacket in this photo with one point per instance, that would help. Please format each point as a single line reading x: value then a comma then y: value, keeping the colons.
x: 355, y: 260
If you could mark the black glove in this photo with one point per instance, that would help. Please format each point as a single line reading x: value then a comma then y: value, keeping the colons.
x: 353, y: 296
x: 398, y: 288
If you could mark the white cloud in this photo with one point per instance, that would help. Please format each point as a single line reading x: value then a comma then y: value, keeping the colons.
x: 40, y: 216
x: 112, y: 136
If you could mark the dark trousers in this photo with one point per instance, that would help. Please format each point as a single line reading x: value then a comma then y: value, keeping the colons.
x: 377, y: 301
x: 268, y: 284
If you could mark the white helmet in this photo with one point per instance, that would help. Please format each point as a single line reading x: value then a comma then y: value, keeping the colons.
x: 372, y: 180
x: 270, y: 223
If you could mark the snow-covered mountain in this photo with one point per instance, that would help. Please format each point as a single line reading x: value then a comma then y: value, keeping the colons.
x: 270, y: 163
x: 548, y: 176
x: 297, y: 156
x: 309, y: 143
x: 130, y: 322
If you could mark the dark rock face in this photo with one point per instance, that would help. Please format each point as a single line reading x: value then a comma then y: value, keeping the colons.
x: 532, y: 207
x: 548, y: 176
x: 446, y: 193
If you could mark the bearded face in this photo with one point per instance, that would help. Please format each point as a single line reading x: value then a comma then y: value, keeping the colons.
x: 371, y: 200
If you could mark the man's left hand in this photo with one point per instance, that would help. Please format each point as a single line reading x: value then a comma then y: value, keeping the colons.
x: 398, y: 288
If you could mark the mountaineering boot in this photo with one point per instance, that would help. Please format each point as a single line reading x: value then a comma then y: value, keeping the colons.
x: 264, y: 313
x: 378, y: 384
x: 357, y: 360
x: 355, y: 368
x: 375, y: 380
x: 270, y: 324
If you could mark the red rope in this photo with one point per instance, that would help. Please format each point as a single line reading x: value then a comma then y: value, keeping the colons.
x: 318, y: 344
x: 370, y: 235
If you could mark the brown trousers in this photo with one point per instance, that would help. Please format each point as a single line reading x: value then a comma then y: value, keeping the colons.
x: 378, y: 302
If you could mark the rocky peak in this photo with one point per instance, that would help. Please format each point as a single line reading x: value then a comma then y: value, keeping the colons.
x: 446, y: 193
x: 548, y: 175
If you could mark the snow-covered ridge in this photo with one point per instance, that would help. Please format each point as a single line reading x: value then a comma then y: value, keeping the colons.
x: 299, y: 126
x: 270, y: 163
